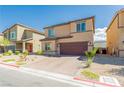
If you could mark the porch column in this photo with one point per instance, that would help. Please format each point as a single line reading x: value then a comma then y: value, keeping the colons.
x: 58, y: 49
x: 23, y: 46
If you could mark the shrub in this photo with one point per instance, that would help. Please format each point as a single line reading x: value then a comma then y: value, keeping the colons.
x: 39, y: 52
x: 90, y: 56
x: 0, y: 55
x: 10, y: 52
x: 6, y: 54
x: 9, y: 60
x: 89, y: 74
x: 26, y: 52
x: 17, y: 52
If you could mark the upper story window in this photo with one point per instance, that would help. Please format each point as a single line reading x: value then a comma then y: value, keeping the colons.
x: 51, y: 33
x: 81, y: 27
x: 13, y: 35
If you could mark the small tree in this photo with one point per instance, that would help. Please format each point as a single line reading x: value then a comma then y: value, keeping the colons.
x: 90, y: 56
x: 5, y: 42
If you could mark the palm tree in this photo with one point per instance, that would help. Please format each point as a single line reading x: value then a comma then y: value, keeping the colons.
x: 4, y: 42
x: 90, y: 56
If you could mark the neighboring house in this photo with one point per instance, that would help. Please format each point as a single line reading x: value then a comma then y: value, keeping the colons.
x: 1, y: 46
x: 115, y: 35
x: 1, y: 36
x: 101, y: 45
x: 23, y: 38
x: 70, y: 38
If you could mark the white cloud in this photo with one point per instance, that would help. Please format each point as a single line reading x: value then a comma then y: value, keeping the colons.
x: 100, y: 34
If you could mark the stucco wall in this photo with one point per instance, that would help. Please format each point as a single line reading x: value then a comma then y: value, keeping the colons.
x: 27, y: 34
x: 121, y: 19
x: 1, y: 37
x: 65, y: 30
x: 79, y: 37
x: 113, y: 37
x: 121, y: 39
x: 60, y: 31
x: 52, y: 44
x: 20, y: 31
x: 36, y: 42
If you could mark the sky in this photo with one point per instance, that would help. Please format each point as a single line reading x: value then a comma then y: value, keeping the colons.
x: 38, y: 17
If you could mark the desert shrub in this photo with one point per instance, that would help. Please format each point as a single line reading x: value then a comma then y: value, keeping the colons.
x: 17, y: 52
x: 90, y: 56
x: 89, y: 74
x: 39, y: 52
x: 10, y: 52
x: 6, y: 54
x: 25, y: 52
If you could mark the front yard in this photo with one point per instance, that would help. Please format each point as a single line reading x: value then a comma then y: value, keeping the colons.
x: 73, y: 65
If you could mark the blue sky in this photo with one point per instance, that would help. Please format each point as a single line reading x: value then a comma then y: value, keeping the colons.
x: 40, y: 16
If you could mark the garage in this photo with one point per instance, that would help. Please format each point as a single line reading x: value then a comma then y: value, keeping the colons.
x: 75, y: 48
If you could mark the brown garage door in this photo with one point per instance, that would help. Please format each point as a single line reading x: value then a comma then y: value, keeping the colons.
x: 76, y: 48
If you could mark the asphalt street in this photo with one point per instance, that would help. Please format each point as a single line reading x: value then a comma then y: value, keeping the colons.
x: 15, y: 78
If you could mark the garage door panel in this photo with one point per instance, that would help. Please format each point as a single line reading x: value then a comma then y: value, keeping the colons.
x: 76, y: 48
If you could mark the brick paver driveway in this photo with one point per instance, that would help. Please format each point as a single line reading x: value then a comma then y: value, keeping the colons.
x: 68, y: 65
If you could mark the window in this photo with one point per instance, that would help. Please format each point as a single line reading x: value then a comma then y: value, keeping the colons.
x: 13, y: 35
x: 47, y: 46
x: 51, y: 33
x: 78, y: 27
x: 81, y: 27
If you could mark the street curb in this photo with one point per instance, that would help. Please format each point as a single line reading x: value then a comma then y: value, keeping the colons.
x: 95, y: 82
x: 15, y: 66
x: 87, y: 82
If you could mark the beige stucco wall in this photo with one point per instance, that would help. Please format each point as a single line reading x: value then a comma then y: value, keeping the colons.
x: 65, y: 30
x: 80, y: 37
x: 6, y: 34
x: 28, y: 34
x: 121, y: 19
x: 121, y: 39
x: 113, y: 37
x: 52, y: 44
x: 36, y: 42
x: 1, y: 37
x: 20, y: 31
x: 60, y: 31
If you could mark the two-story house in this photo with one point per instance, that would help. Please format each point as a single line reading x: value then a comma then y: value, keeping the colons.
x: 115, y: 35
x: 23, y: 38
x: 70, y: 38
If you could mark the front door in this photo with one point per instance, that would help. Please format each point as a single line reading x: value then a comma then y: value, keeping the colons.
x: 29, y: 47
